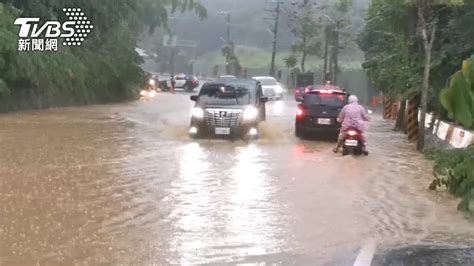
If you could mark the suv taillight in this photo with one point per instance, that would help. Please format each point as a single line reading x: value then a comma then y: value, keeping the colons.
x: 300, y: 112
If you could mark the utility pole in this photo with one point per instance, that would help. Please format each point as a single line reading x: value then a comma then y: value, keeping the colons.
x: 336, y: 55
x: 227, y: 69
x: 228, y: 41
x: 326, y: 53
x: 334, y: 64
x: 228, y: 27
x: 275, y: 38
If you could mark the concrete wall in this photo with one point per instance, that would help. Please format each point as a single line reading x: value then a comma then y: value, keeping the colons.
x: 454, y: 135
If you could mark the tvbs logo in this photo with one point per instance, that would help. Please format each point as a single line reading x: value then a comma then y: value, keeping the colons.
x: 34, y: 36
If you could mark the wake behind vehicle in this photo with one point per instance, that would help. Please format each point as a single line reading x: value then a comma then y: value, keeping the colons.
x: 272, y: 89
x: 228, y: 108
x: 318, y: 111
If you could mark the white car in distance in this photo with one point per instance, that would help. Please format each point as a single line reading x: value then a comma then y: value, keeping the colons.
x: 272, y: 89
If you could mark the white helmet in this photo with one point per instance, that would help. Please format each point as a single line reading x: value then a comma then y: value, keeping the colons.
x: 353, y: 99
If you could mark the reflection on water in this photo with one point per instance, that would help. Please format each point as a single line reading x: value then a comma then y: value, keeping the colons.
x: 224, y: 206
x: 253, y: 213
x: 193, y: 204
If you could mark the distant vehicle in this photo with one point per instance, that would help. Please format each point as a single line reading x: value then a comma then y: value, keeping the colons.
x: 318, y: 111
x: 227, y: 77
x: 303, y: 81
x: 271, y: 87
x: 185, y: 82
x: 299, y: 92
x: 231, y: 108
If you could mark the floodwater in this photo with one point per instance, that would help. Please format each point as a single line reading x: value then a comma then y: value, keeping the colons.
x: 123, y: 184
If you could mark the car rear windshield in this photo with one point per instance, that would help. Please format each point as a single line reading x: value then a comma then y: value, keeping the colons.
x: 268, y: 82
x: 227, y: 77
x: 338, y: 100
x: 236, y: 93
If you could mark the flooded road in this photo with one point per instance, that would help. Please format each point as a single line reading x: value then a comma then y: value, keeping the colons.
x: 123, y: 184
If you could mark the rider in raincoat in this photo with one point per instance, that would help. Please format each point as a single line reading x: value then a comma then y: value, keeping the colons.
x: 353, y: 115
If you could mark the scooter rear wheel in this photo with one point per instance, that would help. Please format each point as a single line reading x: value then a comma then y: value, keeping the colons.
x: 346, y: 151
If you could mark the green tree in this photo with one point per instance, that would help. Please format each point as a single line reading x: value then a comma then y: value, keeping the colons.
x: 228, y: 51
x: 388, y: 46
x: 412, y: 46
x: 305, y: 27
x: 291, y: 61
x: 458, y: 98
x: 105, y: 68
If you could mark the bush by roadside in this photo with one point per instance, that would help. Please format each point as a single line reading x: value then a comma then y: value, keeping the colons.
x: 454, y: 169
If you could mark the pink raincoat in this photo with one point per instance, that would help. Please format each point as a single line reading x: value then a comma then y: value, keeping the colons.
x: 353, y: 115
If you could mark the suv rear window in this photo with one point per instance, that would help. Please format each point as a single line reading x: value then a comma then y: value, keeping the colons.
x: 338, y: 100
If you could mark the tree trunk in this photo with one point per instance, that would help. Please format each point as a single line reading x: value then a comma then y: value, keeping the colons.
x: 400, y: 123
x: 172, y: 59
x: 424, y: 100
x: 428, y: 35
x: 336, y: 55
x: 303, y: 62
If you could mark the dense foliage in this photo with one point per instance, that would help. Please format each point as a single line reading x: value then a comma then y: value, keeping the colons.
x: 394, y: 49
x: 105, y: 68
x: 458, y: 97
x: 308, y: 19
x: 410, y: 44
x: 388, y: 45
x: 455, y: 170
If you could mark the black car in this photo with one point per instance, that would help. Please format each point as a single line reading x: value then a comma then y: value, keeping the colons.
x: 318, y: 111
x: 228, y: 108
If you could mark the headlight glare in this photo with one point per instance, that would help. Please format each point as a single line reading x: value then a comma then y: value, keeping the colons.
x: 198, y: 113
x: 250, y: 113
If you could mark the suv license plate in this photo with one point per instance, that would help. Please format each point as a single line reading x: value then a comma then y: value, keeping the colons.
x: 324, y: 121
x: 351, y: 143
x: 222, y: 131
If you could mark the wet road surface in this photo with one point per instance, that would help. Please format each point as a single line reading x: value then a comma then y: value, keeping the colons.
x: 123, y: 184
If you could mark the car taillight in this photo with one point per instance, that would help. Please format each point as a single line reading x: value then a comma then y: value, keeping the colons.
x: 306, y: 90
x: 300, y: 112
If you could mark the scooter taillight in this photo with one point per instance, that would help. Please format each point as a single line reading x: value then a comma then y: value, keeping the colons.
x: 352, y: 133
